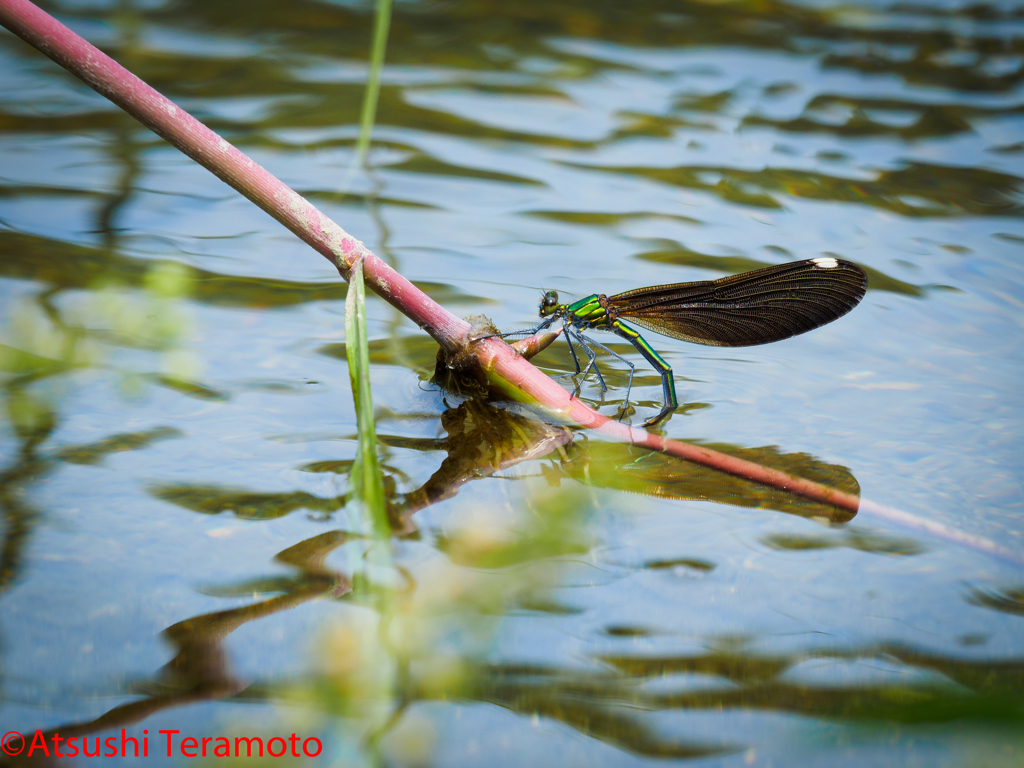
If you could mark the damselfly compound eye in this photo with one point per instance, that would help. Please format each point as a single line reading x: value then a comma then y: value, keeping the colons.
x: 548, y: 303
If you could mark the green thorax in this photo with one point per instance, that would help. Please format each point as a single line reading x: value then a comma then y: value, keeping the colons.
x: 586, y: 313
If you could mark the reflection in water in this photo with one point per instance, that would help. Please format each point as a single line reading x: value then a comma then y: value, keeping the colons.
x: 877, y: 117
x: 624, y: 468
x: 864, y: 541
x: 33, y: 422
x: 201, y: 669
x: 212, y: 500
x: 483, y: 439
x: 1007, y: 600
x: 94, y: 453
x: 916, y: 190
x: 958, y: 688
x: 64, y: 267
x: 608, y: 705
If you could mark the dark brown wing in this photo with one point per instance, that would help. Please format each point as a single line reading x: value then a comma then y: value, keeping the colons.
x: 751, y: 308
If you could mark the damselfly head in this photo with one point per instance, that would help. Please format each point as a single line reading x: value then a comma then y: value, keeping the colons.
x: 548, y: 303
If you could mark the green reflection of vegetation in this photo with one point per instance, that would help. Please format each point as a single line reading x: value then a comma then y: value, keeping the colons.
x: 381, y: 22
x: 46, y: 339
x: 94, y: 453
x: 700, y: 566
x: 910, y: 43
x: 68, y: 266
x: 958, y: 689
x: 625, y: 468
x: 459, y: 32
x: 248, y: 505
x: 482, y: 440
x: 347, y: 198
x: 604, y: 219
x: 865, y: 541
x: 65, y: 266
x: 926, y: 120
x: 421, y: 631
x: 187, y: 387
x: 424, y: 164
x: 1006, y: 600
x: 34, y: 418
x: 443, y: 622
x: 918, y: 189
x: 44, y: 342
x: 436, y: 645
x: 419, y: 351
x: 201, y: 668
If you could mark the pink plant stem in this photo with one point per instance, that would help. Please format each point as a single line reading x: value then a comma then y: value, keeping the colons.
x: 505, y: 369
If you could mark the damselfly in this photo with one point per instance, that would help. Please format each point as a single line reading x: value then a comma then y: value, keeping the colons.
x: 742, y: 310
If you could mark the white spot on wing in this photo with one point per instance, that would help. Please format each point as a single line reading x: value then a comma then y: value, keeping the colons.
x: 826, y: 262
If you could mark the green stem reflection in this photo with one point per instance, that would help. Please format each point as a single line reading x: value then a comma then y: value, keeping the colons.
x: 381, y: 23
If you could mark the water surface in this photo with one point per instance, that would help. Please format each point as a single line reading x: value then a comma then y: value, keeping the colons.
x: 178, y: 426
